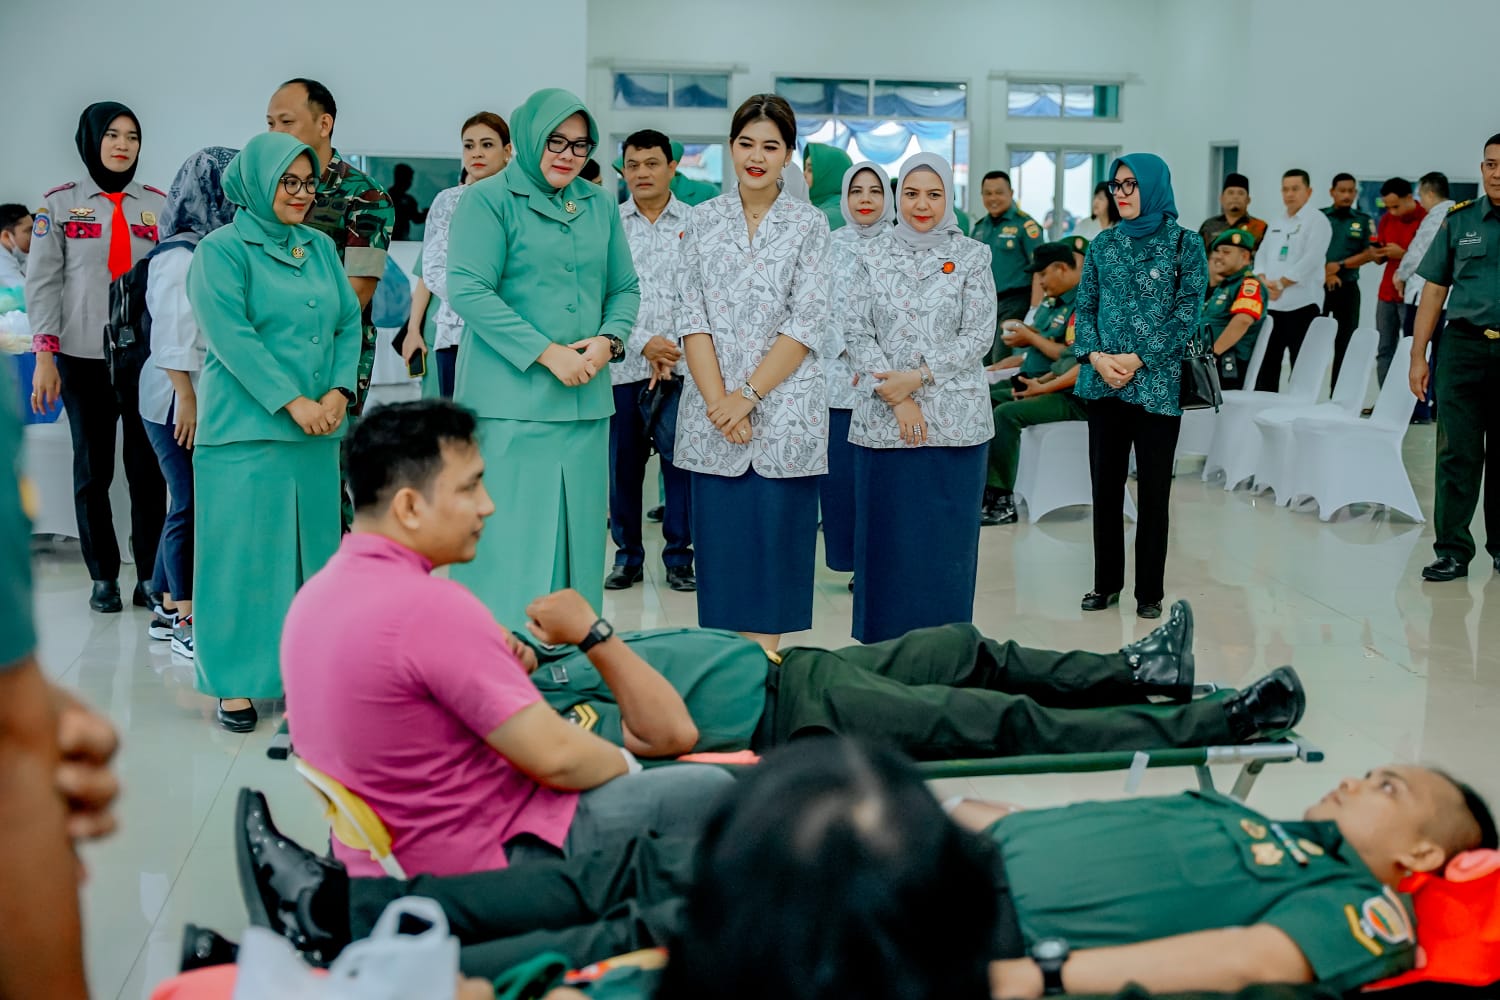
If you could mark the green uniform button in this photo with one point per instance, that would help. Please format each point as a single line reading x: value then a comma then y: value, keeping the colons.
x: 567, y: 267
x: 316, y: 340
x: 312, y: 302
x: 572, y: 307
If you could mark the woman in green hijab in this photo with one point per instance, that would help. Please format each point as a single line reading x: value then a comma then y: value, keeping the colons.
x: 540, y: 272
x: 282, y: 329
x: 823, y: 167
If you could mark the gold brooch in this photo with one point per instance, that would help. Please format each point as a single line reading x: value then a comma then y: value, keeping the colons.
x: 570, y: 207
x: 148, y: 218
x: 1253, y: 829
x: 298, y: 252
x: 1267, y: 854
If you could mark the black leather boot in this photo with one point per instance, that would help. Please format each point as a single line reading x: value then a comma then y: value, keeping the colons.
x: 287, y: 888
x: 1267, y: 708
x: 1163, y: 661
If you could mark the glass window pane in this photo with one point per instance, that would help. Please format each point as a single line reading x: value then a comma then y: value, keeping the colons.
x: 641, y: 90
x: 1035, y: 100
x: 1033, y: 175
x: 1078, y: 101
x: 851, y: 97
x: 810, y: 97
x: 700, y: 90
x: 1107, y: 101
x: 1078, y: 192
x: 912, y: 99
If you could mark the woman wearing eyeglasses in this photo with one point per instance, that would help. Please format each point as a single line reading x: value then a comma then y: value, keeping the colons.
x: 1138, y: 303
x: 539, y: 271
x: 282, y: 331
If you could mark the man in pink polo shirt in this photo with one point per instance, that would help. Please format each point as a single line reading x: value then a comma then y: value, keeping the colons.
x: 403, y: 687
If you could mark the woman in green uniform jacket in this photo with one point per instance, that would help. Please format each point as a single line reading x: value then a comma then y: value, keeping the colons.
x: 823, y: 167
x: 540, y: 272
x: 282, y: 329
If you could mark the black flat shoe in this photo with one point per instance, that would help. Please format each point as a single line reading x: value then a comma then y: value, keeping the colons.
x: 1151, y: 609
x: 105, y: 598
x: 203, y: 949
x: 241, y: 720
x: 1444, y: 569
x: 1163, y: 662
x: 142, y: 597
x: 998, y: 508
x: 287, y: 888
x: 623, y: 577
x: 657, y: 514
x: 1267, y: 708
x: 682, y: 579
x: 1095, y: 601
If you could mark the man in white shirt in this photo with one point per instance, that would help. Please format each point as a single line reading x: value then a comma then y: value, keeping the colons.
x: 654, y: 220
x: 1432, y: 192
x: 15, y: 242
x: 1290, y: 263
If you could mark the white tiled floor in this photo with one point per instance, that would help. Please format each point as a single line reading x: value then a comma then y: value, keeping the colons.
x: 1395, y: 669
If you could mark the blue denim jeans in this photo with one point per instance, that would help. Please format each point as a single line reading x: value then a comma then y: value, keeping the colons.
x: 174, y: 554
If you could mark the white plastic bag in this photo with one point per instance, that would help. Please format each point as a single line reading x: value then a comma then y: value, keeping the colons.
x: 386, y: 965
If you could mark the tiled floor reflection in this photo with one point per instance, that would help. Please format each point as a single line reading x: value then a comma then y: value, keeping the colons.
x: 1395, y: 669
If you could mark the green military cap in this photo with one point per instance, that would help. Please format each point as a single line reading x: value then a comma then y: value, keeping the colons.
x: 1242, y: 238
x: 1060, y: 252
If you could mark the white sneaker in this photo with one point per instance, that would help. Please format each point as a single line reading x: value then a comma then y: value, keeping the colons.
x: 182, y: 637
x: 162, y: 623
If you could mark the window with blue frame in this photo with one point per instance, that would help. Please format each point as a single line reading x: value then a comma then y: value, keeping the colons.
x: 1063, y: 100
x: 671, y: 90
x: 884, y: 121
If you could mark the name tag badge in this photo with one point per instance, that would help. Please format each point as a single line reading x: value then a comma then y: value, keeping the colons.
x: 559, y: 673
x: 1470, y: 238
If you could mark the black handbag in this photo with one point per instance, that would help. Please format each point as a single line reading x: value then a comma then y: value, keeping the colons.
x: 1200, y: 387
x: 658, y: 406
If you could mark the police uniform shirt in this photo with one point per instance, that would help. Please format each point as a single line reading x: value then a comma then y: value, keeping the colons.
x: 1051, y: 321
x: 1465, y: 258
x: 720, y: 675
x: 17, y: 638
x: 1012, y: 239
x: 1239, y: 294
x: 1100, y: 874
x: 1353, y: 232
x: 67, y: 271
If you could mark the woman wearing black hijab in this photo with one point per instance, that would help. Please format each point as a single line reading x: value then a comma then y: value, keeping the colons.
x: 90, y: 232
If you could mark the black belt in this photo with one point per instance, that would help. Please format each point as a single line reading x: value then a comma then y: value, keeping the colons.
x: 1463, y: 325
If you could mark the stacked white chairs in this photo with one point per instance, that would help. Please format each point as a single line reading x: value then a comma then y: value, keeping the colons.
x: 1236, y: 445
x: 1345, y: 459
x: 1053, y: 470
x: 1197, y: 434
x: 1275, y: 466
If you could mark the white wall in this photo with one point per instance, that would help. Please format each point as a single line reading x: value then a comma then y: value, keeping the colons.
x: 199, y: 72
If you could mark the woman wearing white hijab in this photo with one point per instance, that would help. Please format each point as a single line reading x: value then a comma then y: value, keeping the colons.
x: 868, y: 208
x: 920, y: 318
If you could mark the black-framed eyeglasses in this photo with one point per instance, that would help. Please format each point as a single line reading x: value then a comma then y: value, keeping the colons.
x: 581, y: 147
x: 291, y: 185
x: 1128, y: 186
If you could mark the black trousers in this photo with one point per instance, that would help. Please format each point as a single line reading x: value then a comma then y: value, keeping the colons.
x: 94, y: 408
x: 1115, y: 427
x: 948, y: 692
x: 1287, y: 334
x: 629, y: 451
x: 1342, y: 304
x: 1468, y: 442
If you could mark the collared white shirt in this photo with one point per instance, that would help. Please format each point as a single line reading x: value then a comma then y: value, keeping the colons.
x: 1296, y: 247
x: 745, y: 294
x: 175, y: 342
x: 1407, y: 270
x: 933, y: 307
x: 656, y: 249
x: 450, y: 326
x: 12, y: 269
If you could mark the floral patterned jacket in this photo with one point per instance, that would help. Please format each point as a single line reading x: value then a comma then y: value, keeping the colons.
x: 744, y: 295
x: 843, y: 265
x: 909, y: 307
x: 1142, y: 297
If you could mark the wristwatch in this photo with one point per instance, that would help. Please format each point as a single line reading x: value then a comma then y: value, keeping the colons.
x: 751, y: 393
x: 598, y: 632
x: 1050, y: 954
x: 345, y: 392
x: 616, y: 347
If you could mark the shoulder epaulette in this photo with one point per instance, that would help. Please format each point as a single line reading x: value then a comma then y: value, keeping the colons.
x: 60, y: 187
x: 153, y: 190
x: 1460, y: 205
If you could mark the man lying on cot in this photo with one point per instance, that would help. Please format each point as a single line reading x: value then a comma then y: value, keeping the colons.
x: 402, y: 687
x: 1189, y: 892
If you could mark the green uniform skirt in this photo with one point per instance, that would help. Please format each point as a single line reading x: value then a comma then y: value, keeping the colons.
x: 550, y: 484
x: 267, y: 516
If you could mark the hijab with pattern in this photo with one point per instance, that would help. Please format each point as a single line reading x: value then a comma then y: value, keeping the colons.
x: 196, y: 203
x: 89, y: 138
x: 251, y: 180
x: 530, y: 126
x: 1154, y: 185
x: 947, y: 226
x: 882, y: 222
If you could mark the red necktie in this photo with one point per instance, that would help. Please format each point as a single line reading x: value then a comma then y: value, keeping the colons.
x: 119, y: 237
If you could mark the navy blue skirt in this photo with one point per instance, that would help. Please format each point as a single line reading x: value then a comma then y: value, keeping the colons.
x: 916, y: 537
x: 836, y: 495
x: 756, y: 544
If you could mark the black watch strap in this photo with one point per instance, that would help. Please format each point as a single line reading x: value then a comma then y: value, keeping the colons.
x: 598, y: 632
x: 1052, y: 984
